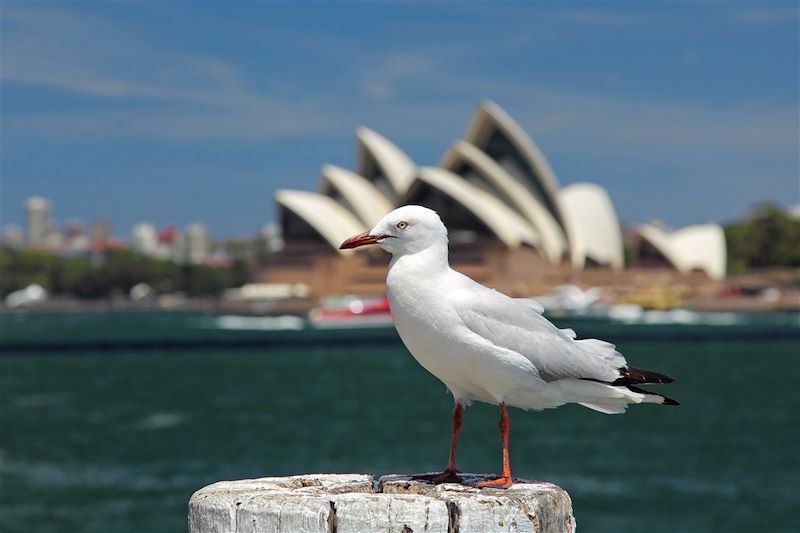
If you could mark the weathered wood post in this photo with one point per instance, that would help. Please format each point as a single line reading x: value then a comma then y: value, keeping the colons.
x: 356, y: 503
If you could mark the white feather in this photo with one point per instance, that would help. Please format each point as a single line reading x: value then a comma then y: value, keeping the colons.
x: 483, y: 344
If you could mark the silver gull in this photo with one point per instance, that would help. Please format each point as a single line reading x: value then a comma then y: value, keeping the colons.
x: 486, y: 346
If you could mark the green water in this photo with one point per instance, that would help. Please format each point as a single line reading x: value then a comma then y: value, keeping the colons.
x: 104, y: 437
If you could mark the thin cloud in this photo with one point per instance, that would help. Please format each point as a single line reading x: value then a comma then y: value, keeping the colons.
x: 614, y: 19
x: 765, y: 15
x: 238, y: 124
x: 210, y: 98
x: 419, y: 97
x: 644, y: 122
x: 382, y: 82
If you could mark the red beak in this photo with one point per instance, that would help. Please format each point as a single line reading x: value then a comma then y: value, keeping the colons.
x: 359, y: 240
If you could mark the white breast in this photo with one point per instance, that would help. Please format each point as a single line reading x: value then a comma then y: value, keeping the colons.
x: 470, y: 367
x: 418, y: 317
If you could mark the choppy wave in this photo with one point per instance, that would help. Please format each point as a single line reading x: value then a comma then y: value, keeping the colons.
x: 160, y: 421
x: 48, y: 474
x: 33, y: 401
x: 578, y: 484
x: 180, y: 475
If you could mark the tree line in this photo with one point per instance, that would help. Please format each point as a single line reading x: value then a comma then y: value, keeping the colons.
x: 767, y: 238
x: 114, y: 273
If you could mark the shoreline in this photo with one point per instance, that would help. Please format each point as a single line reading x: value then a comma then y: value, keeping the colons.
x: 301, y: 306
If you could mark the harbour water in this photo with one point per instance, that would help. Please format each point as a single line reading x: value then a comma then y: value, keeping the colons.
x: 109, y: 422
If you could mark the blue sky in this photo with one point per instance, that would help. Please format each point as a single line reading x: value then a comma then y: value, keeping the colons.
x: 175, y: 112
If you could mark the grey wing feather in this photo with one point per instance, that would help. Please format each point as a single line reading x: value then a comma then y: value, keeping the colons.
x: 515, y: 325
x: 531, y: 303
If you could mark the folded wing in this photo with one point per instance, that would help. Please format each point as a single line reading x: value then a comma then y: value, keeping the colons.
x: 516, y: 325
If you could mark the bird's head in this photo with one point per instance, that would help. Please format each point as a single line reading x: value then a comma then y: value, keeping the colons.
x: 406, y: 230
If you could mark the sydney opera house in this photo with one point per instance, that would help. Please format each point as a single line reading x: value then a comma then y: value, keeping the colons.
x: 511, y: 225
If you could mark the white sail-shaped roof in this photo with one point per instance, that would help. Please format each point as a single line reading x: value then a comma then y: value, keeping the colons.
x: 700, y: 247
x: 509, y: 227
x: 597, y: 232
x: 329, y: 219
x: 379, y: 160
x: 355, y: 193
x: 552, y: 241
x: 521, y: 157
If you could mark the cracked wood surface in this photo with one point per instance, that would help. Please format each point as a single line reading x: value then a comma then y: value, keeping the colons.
x: 347, y: 503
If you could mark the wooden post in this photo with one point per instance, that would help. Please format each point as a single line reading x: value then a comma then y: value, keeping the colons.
x: 350, y: 503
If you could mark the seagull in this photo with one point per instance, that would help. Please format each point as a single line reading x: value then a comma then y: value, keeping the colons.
x: 488, y: 347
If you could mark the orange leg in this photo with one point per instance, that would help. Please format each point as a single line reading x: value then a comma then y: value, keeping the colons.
x: 504, y: 481
x: 450, y: 474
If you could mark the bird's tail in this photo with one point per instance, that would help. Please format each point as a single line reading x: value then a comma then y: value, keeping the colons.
x: 653, y: 397
x: 609, y: 398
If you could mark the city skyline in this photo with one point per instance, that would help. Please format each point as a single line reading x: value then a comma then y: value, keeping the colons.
x: 172, y: 114
x: 46, y: 222
x: 74, y: 238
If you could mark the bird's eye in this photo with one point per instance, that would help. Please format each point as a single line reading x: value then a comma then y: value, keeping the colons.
x: 402, y: 224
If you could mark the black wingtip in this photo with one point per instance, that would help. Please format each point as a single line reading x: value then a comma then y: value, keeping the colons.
x: 630, y: 375
x: 670, y: 401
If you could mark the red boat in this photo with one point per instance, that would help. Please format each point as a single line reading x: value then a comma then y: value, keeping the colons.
x: 351, y: 312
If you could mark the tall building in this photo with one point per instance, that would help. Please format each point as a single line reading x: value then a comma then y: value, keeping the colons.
x: 145, y: 239
x: 196, y: 244
x: 37, y: 211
